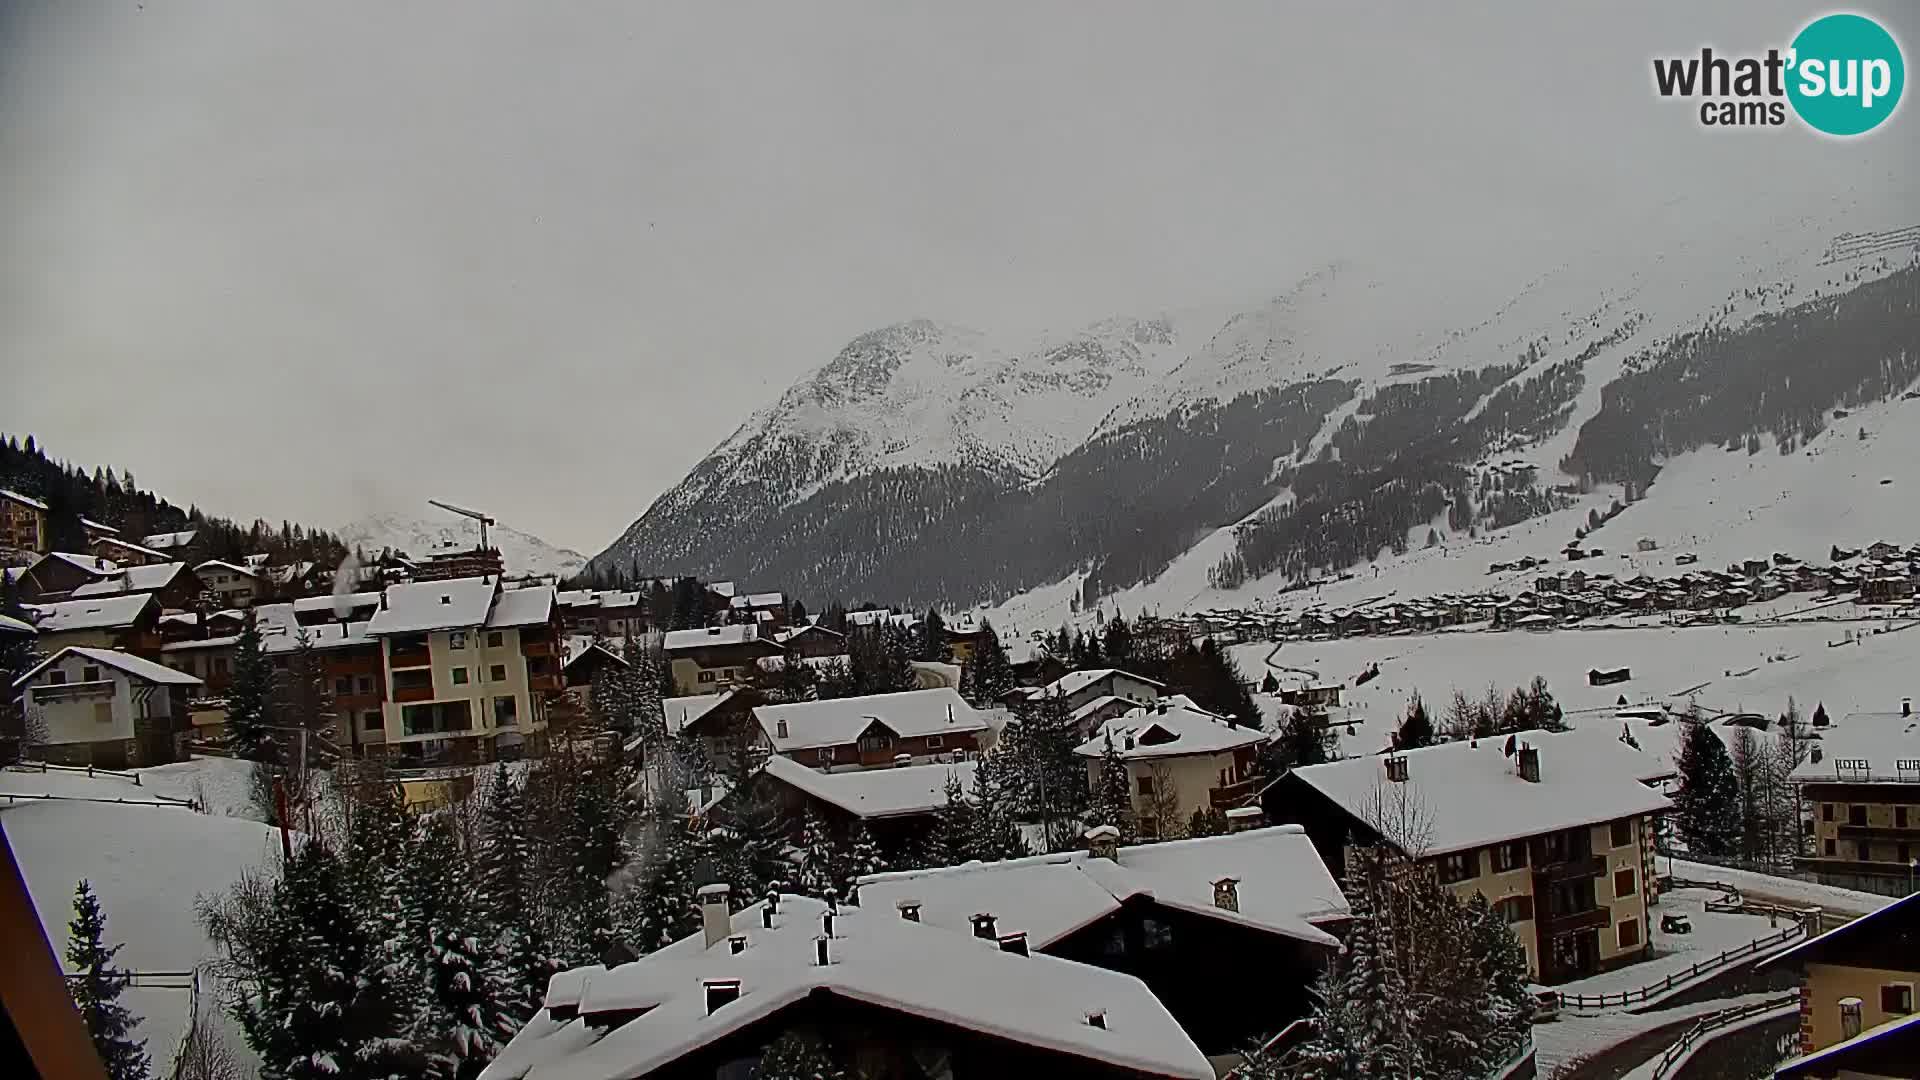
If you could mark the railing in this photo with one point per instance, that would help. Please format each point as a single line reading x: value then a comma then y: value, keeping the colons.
x: 1712, y: 1022
x: 1572, y: 869
x: 1596, y: 918
x: 1653, y: 990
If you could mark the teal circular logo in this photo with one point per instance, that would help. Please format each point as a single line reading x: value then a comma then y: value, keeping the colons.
x: 1846, y: 74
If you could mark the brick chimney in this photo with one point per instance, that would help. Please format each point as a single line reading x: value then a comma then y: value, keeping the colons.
x: 1226, y: 894
x: 1397, y: 768
x: 716, y: 922
x: 983, y: 926
x: 1015, y: 943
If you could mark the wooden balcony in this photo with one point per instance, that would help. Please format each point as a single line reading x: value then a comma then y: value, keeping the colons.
x: 406, y: 658
x: 548, y: 683
x: 1910, y: 834
x: 1585, y: 866
x: 1598, y: 918
x: 412, y: 693
x: 538, y: 647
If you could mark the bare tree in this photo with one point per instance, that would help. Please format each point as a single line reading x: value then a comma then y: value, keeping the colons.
x: 205, y: 1055
x: 1166, y: 803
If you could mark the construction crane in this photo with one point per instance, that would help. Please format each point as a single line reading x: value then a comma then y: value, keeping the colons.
x: 476, y: 515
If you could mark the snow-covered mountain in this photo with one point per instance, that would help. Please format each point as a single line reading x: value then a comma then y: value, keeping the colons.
x: 420, y: 537
x: 930, y: 464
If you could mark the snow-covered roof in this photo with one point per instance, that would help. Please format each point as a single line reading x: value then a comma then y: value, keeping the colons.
x: 222, y: 564
x: 705, y: 637
x: 99, y: 526
x: 1181, y: 729
x: 1886, y: 1042
x: 416, y: 607
x: 10, y: 625
x: 575, y: 655
x: 1470, y: 794
x: 92, y: 564
x: 163, y: 541
x: 1879, y: 750
x: 875, y: 793
x: 880, y: 616
x: 759, y: 600
x: 522, y: 607
x: 327, y: 604
x: 784, y: 636
x: 99, y: 613
x: 1878, y: 922
x: 138, y: 667
x: 876, y: 959
x: 133, y: 579
x: 280, y: 632
x: 1075, y: 681
x: 681, y: 711
x: 129, y: 546
x: 1283, y: 886
x: 838, y: 721
x: 24, y: 500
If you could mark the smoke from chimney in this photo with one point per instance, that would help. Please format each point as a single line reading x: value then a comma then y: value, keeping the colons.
x: 344, y: 579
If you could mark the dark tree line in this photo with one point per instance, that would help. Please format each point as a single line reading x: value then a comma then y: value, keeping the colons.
x: 112, y: 497
x: 1778, y: 377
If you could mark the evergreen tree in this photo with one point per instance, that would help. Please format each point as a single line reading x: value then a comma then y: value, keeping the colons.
x: 1207, y: 821
x: 1820, y: 714
x: 665, y: 891
x: 932, y: 644
x: 1117, y: 642
x: 988, y: 674
x: 471, y: 1001
x: 952, y: 840
x: 1302, y: 741
x: 1417, y: 729
x: 995, y: 835
x: 249, y: 696
x: 1506, y: 1007
x: 799, y: 1055
x: 97, y: 987
x: 1112, y: 800
x: 820, y: 863
x: 1707, y: 806
x: 507, y: 896
x: 863, y: 858
x: 1040, y: 777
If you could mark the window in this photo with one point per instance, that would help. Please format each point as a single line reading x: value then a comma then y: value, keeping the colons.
x: 457, y: 639
x: 826, y: 755
x: 1155, y: 934
x: 371, y: 722
x: 343, y: 685
x: 1899, y: 817
x: 1906, y: 853
x: 706, y: 676
x: 90, y: 673
x: 505, y: 712
x: 1145, y: 785
x: 56, y: 677
x: 413, y: 679
x: 875, y: 743
x: 1826, y: 811
x: 459, y: 676
x: 495, y: 639
x: 1509, y: 856
x: 1856, y: 815
x: 1460, y: 866
x: 1623, y: 883
x: 498, y: 673
x: 1896, y: 999
x: 1866, y: 851
x: 1831, y: 848
x: 1517, y: 908
x: 219, y: 665
x: 1629, y: 933
x: 103, y: 712
x: 1623, y: 833
x: 935, y: 742
x: 365, y: 684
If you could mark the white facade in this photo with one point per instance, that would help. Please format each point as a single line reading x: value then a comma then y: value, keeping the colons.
x: 95, y: 696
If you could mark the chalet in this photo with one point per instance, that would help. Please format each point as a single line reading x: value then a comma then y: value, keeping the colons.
x: 889, y: 992
x: 1608, y: 676
x: 125, y: 552
x: 1886, y: 589
x: 471, y: 667
x: 767, y: 609
x: 182, y: 545
x: 231, y: 586
x: 1556, y: 834
x: 1172, y: 914
x: 171, y: 583
x: 1862, y: 781
x: 23, y: 523
x: 614, y: 614
x: 716, y: 657
x: 895, y: 806
x: 874, y: 730
x: 812, y: 642
x: 1077, y: 688
x: 106, y: 708
x: 127, y: 623
x: 1094, y: 715
x: 723, y: 722
x: 1179, y: 759
x: 965, y: 634
x: 1320, y: 696
x: 55, y: 575
x: 1857, y: 980
x: 587, y: 661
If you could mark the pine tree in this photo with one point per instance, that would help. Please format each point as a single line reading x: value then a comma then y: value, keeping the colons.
x: 1417, y: 729
x: 798, y: 1055
x: 819, y: 871
x: 933, y: 646
x: 1303, y: 741
x: 249, y: 696
x: 506, y: 894
x: 1112, y: 800
x: 1207, y: 821
x: 1117, y: 642
x: 988, y: 675
x: 951, y: 842
x: 995, y: 834
x: 96, y: 990
x: 1506, y: 1008
x: 470, y: 996
x: 863, y: 858
x: 666, y: 889
x: 1707, y: 806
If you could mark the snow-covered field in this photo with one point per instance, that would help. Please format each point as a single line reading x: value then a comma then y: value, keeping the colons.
x: 1713, y: 933
x: 1790, y: 890
x: 1735, y: 668
x: 1566, y: 1041
x: 148, y: 865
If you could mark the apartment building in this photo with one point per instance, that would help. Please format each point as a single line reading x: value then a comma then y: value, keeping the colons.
x: 469, y: 665
x: 1862, y: 783
x: 1556, y: 834
x: 1857, y: 985
x: 23, y: 522
x: 105, y: 708
x: 715, y: 658
x: 232, y: 586
x: 1179, y: 759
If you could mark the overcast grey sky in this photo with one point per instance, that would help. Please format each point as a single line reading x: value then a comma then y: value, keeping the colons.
x: 310, y: 260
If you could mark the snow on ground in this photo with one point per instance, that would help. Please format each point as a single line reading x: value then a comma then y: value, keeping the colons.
x: 1645, y: 1070
x: 21, y: 783
x: 147, y: 864
x: 1713, y: 933
x: 1791, y: 890
x: 1734, y: 668
x: 1572, y: 1038
x: 221, y: 786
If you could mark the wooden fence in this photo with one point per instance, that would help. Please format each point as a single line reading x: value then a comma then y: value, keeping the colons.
x: 1713, y: 1022
x: 1719, y: 962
